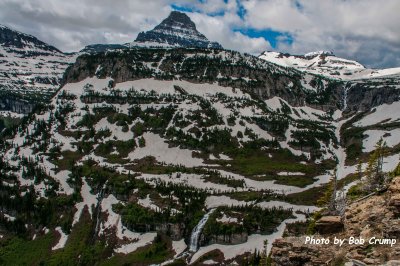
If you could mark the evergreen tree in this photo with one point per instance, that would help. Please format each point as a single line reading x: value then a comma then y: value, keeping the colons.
x: 374, y: 173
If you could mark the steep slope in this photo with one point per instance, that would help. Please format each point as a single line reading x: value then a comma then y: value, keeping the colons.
x: 327, y: 64
x: 30, y: 70
x: 170, y: 137
x: 374, y: 219
x: 177, y: 30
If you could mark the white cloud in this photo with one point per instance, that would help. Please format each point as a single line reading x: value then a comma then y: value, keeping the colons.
x: 72, y: 24
x: 219, y: 29
x: 365, y: 30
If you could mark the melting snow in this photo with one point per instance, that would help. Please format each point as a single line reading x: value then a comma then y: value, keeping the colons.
x: 62, y: 241
x: 157, y: 147
x: 391, y: 137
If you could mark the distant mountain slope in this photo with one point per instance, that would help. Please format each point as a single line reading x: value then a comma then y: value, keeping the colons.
x: 327, y: 64
x: 176, y: 30
x: 29, y: 69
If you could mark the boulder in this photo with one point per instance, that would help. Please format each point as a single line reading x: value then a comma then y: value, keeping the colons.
x: 329, y: 225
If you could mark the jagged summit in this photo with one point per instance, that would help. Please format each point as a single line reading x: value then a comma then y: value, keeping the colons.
x: 176, y: 30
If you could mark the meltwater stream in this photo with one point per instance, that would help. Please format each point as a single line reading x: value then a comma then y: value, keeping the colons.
x: 194, y: 238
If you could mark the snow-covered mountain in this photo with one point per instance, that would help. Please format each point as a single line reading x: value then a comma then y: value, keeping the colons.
x: 143, y: 142
x: 327, y: 64
x: 29, y: 68
x: 177, y: 30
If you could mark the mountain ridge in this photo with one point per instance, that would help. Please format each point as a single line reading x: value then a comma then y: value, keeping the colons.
x: 327, y: 64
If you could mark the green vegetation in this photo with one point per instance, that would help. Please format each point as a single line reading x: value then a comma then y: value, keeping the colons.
x: 298, y: 228
x: 356, y: 192
x: 8, y: 122
x: 155, y: 253
x: 19, y: 251
x: 313, y: 195
x: 216, y: 178
x: 250, y: 219
x: 289, y: 180
x: 115, y: 151
x: 252, y: 162
x: 190, y: 203
x: 69, y: 158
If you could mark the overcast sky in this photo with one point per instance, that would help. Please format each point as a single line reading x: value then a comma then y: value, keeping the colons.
x: 364, y: 30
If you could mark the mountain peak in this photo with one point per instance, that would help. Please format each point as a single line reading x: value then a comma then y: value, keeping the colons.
x: 177, y: 19
x: 176, y: 30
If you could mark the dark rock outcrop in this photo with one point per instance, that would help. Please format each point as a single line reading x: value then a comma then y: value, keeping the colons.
x: 362, y: 96
x: 232, y: 239
x: 15, y: 105
x: 291, y: 252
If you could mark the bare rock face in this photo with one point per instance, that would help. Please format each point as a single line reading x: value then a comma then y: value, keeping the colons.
x: 329, y: 225
x: 372, y: 217
x: 292, y: 252
x: 231, y: 239
x: 394, y: 202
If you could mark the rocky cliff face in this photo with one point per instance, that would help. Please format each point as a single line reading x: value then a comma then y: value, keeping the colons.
x: 376, y: 216
x: 16, y: 105
x: 228, y: 68
x: 362, y: 95
x: 176, y: 30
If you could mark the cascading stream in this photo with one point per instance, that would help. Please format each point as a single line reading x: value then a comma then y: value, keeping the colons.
x: 194, y: 238
x: 345, y: 93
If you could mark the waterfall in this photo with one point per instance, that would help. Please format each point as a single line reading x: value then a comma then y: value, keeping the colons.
x: 98, y: 209
x: 194, y: 238
x: 346, y: 90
